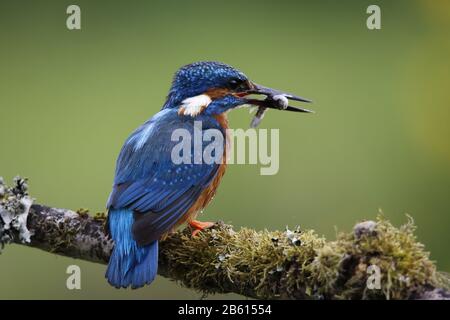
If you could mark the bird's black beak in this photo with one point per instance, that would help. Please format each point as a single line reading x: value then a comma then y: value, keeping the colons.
x: 275, y: 99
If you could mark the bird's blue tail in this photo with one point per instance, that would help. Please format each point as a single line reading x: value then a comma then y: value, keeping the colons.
x: 129, y: 263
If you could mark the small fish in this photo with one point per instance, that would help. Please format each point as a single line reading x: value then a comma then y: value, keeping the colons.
x: 278, y: 102
x: 259, y: 115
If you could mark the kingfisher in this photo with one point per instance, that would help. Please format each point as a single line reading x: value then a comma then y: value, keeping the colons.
x: 152, y: 195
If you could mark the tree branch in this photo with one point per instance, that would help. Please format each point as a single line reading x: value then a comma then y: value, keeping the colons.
x: 291, y: 264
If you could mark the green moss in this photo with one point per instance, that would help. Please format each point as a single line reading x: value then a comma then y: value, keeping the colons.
x: 83, y: 212
x: 294, y: 264
x: 100, y: 216
x: 404, y: 264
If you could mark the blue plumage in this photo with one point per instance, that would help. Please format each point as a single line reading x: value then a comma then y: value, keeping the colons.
x: 199, y: 77
x: 151, y: 193
x: 147, y: 181
x: 130, y: 264
x: 155, y: 192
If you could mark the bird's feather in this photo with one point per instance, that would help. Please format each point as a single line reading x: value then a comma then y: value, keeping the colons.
x: 148, y: 182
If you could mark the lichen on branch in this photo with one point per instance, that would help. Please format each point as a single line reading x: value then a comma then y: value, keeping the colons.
x: 15, y: 203
x: 289, y: 264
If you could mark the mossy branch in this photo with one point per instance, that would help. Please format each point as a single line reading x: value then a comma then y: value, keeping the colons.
x: 290, y: 264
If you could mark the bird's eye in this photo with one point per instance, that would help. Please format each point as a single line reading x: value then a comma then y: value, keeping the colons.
x: 234, y: 84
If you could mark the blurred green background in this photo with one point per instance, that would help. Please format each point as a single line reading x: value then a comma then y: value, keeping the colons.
x: 379, y: 139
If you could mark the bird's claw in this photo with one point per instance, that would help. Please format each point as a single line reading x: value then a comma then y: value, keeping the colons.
x: 199, y: 226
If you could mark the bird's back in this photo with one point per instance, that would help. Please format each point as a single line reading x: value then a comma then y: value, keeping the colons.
x: 161, y: 193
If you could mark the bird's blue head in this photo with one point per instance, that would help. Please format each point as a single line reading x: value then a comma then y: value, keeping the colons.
x: 213, y: 88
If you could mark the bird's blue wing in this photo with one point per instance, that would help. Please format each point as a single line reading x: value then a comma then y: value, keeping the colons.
x: 151, y: 184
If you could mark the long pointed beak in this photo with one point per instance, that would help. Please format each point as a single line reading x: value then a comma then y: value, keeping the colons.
x: 276, y: 99
x: 258, y: 89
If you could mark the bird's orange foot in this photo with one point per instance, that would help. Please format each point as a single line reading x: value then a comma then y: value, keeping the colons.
x: 199, y: 226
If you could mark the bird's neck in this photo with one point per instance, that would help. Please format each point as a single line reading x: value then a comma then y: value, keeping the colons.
x: 222, y: 119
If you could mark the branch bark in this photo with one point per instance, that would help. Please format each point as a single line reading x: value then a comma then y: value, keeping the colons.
x: 290, y: 264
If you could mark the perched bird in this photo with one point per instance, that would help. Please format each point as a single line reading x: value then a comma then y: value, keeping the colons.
x: 151, y: 194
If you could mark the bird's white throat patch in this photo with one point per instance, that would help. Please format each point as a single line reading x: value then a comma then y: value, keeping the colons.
x: 194, y: 105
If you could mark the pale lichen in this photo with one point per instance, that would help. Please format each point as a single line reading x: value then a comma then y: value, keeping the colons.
x: 15, y: 204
